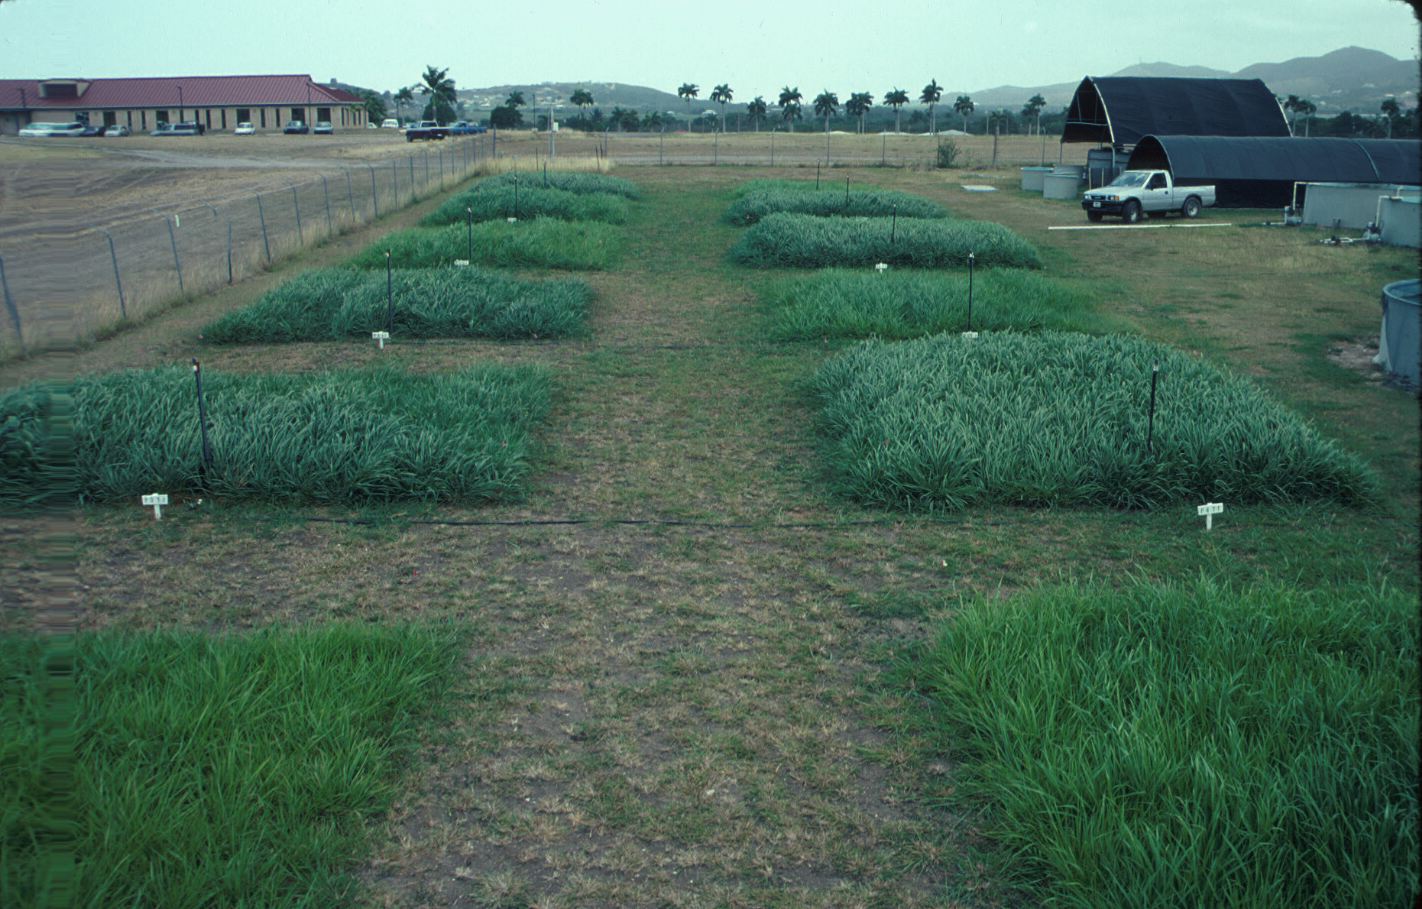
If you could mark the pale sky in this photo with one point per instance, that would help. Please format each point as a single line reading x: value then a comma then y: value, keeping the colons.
x: 754, y: 45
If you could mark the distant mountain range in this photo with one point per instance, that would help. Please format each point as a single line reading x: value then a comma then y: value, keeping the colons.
x: 1351, y: 78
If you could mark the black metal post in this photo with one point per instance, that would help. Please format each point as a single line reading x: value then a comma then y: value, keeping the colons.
x: 894, y: 225
x: 1150, y: 421
x: 846, y: 194
x: 118, y: 282
x: 10, y: 307
x: 296, y: 204
x: 262, y: 218
x: 202, y: 419
x: 177, y: 263
x: 469, y: 221
x: 515, y: 182
x: 389, y: 294
x: 229, y: 251
x: 817, y: 175
x: 972, y: 259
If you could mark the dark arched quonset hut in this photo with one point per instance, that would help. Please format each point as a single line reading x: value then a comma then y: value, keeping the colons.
x: 1261, y: 172
x: 1120, y: 110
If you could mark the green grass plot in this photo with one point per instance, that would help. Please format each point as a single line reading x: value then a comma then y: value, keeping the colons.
x: 783, y: 240
x: 536, y: 243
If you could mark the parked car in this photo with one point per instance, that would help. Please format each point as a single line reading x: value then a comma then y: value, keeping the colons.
x: 245, y: 128
x: 185, y: 128
x: 1153, y: 192
x: 295, y: 128
x: 91, y: 131
x: 465, y: 128
x: 389, y: 123
x: 117, y: 130
x: 47, y: 130
x: 324, y: 128
x: 428, y: 129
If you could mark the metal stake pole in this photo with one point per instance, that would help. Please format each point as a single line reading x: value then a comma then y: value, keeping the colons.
x: 118, y: 282
x: 894, y: 225
x: 177, y: 263
x: 10, y: 307
x: 374, y: 191
x: 202, y: 419
x: 971, y: 260
x: 326, y: 193
x: 350, y: 199
x: 389, y: 295
x: 229, y: 251
x: 262, y: 219
x: 1150, y: 424
x: 469, y: 220
x: 296, y: 203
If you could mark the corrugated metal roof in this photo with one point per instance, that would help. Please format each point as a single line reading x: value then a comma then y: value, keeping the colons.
x: 197, y: 91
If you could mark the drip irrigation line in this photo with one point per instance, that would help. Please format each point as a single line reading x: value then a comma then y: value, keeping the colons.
x: 618, y: 522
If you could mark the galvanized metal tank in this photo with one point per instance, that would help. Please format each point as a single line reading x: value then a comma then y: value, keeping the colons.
x: 1062, y: 183
x: 1398, y: 347
x: 1401, y: 221
x: 1032, y: 178
x: 1103, y: 165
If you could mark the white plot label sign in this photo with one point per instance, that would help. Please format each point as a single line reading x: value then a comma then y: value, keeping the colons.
x: 380, y: 337
x: 156, y: 501
x: 1208, y: 512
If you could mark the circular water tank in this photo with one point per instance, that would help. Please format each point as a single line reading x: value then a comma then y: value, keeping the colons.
x: 1032, y: 178
x: 1398, y: 349
x: 1061, y: 183
x: 1103, y: 165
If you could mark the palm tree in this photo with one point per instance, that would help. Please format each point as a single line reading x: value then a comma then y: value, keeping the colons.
x: 582, y: 99
x: 1033, y: 108
x: 932, y: 93
x: 858, y: 105
x: 965, y: 106
x: 439, y: 88
x: 1391, y: 111
x: 402, y: 97
x: 721, y: 94
x: 826, y: 105
x: 756, y: 111
x: 790, y: 105
x: 896, y: 98
x: 686, y: 92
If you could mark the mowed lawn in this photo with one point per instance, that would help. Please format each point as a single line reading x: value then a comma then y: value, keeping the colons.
x: 711, y: 710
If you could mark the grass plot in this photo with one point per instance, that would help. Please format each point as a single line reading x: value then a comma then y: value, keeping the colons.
x: 537, y: 243
x: 805, y: 241
x: 334, y: 303
x: 569, y: 181
x: 213, y: 771
x: 838, y: 303
x: 752, y: 207
x: 496, y: 201
x: 374, y: 435
x: 1062, y: 419
x: 1185, y: 744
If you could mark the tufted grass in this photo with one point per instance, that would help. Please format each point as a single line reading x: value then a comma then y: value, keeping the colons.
x: 539, y: 243
x: 804, y: 241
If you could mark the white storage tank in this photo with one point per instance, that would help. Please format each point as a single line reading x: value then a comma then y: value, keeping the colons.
x: 1401, y: 223
x: 1350, y: 205
x: 1062, y: 183
x: 1032, y: 178
x: 1398, y: 348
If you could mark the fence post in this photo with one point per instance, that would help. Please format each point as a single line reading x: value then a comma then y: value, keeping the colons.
x: 229, y: 250
x: 118, y: 282
x: 326, y: 192
x: 350, y: 197
x: 374, y: 192
x: 177, y: 263
x: 262, y: 219
x: 395, y: 181
x: 10, y: 307
x: 426, y: 154
x: 296, y: 203
x: 441, y: 168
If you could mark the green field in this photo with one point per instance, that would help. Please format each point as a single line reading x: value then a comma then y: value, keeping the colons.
x: 752, y: 206
x: 334, y: 303
x: 211, y: 770
x: 691, y: 649
x: 806, y: 241
x: 839, y: 303
x: 497, y: 201
x: 537, y: 243
x: 1188, y: 744
x: 331, y: 437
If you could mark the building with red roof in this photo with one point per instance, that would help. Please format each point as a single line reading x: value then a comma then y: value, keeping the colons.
x: 216, y: 102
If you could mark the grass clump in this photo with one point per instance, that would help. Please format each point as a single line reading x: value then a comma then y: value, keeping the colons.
x: 219, y: 770
x: 539, y: 243
x: 837, y: 303
x: 752, y: 207
x: 374, y: 435
x: 570, y: 181
x: 784, y: 240
x: 1185, y: 744
x: 1062, y: 419
x: 333, y: 303
x: 497, y: 201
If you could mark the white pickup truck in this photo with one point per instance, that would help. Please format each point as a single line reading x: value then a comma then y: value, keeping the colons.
x: 1152, y: 192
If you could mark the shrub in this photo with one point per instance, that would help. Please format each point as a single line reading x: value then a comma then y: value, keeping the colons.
x: 491, y: 202
x: 947, y: 153
x: 540, y: 243
x: 332, y: 437
x: 805, y: 241
x: 836, y: 303
x: 753, y: 207
x: 1062, y: 419
x: 211, y: 770
x: 429, y: 303
x: 1184, y: 744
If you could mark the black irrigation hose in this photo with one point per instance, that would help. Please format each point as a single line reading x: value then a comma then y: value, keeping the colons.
x: 619, y: 522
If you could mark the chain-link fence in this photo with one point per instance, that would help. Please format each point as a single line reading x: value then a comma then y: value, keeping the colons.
x: 63, y: 289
